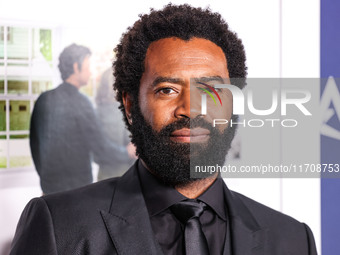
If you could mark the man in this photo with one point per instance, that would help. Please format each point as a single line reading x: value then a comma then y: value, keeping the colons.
x: 156, y: 208
x: 65, y: 131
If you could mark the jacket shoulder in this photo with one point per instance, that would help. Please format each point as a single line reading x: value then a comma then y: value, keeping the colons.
x: 98, y: 194
x: 280, y: 228
x: 66, y: 223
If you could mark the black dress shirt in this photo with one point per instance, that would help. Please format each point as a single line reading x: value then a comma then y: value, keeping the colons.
x: 168, y: 230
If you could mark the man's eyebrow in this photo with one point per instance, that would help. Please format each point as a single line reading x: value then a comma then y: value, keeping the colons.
x: 209, y: 78
x: 161, y: 79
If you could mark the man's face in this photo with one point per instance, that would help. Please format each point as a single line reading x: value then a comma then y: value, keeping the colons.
x: 164, y: 94
x: 167, y: 127
x: 84, y: 73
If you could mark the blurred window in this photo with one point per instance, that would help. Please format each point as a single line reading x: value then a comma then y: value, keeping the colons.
x: 27, y: 68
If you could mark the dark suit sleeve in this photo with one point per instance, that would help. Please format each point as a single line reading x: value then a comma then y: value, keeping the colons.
x: 35, y: 233
x: 311, y: 242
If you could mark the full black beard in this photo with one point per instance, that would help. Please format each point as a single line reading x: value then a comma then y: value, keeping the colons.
x: 172, y: 162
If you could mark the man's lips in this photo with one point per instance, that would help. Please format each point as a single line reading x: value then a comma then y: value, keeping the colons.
x: 186, y: 135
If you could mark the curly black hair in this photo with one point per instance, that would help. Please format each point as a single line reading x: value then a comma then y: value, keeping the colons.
x: 73, y: 53
x: 184, y: 22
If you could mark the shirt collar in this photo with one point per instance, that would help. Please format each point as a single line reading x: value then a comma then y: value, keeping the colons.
x: 214, y: 198
x: 159, y: 196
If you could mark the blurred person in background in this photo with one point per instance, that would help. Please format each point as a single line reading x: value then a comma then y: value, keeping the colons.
x: 112, y: 122
x: 65, y: 132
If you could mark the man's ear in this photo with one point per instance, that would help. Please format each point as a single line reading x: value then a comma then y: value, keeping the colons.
x: 127, y: 101
x: 75, y: 68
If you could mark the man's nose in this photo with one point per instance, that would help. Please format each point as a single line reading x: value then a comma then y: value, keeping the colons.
x: 183, y: 105
x: 189, y: 105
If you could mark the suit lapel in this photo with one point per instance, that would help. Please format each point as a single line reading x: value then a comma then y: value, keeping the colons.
x: 245, y: 235
x: 129, y: 227
x: 128, y: 221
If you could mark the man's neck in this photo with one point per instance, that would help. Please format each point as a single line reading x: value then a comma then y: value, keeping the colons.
x: 73, y: 81
x: 194, y: 189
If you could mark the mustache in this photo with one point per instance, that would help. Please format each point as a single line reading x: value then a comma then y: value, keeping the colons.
x: 186, y: 123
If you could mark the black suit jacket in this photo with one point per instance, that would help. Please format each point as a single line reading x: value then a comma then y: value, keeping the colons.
x: 110, y: 217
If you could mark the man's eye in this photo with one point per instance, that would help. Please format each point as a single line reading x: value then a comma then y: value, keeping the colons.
x: 166, y: 91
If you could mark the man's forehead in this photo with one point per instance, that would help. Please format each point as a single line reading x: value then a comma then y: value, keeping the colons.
x: 171, y: 53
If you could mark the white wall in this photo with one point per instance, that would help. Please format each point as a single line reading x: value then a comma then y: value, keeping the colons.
x: 281, y: 38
